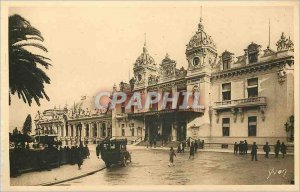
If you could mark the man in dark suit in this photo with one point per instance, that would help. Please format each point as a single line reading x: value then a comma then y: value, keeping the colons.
x: 254, y: 151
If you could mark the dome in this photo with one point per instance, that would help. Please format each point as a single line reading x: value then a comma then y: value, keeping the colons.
x: 201, y: 38
x: 167, y: 60
x: 144, y: 58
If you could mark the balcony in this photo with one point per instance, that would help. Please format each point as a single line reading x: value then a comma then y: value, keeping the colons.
x: 121, y: 115
x: 241, y: 103
x: 167, y: 111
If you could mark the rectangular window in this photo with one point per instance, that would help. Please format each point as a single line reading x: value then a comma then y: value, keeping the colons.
x: 226, y: 64
x: 132, y: 132
x: 123, y: 132
x: 225, y: 126
x: 226, y: 91
x: 252, y: 87
x: 122, y: 109
x: 252, y: 125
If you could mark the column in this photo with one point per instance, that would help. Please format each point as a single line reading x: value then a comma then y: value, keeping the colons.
x: 91, y: 130
x: 174, y: 131
x: 106, y: 129
x: 98, y: 129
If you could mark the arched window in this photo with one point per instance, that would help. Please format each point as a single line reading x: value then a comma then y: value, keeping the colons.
x: 103, y: 129
x: 95, y: 130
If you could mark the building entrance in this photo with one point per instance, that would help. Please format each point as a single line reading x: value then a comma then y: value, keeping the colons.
x: 181, y: 131
x: 167, y: 130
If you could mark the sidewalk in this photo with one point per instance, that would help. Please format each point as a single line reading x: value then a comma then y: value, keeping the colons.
x: 65, y: 172
x: 205, y: 149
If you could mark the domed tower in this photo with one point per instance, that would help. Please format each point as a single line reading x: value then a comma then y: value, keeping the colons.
x: 144, y: 67
x: 201, y: 52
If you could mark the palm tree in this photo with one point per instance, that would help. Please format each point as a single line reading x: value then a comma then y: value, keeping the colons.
x: 26, y: 78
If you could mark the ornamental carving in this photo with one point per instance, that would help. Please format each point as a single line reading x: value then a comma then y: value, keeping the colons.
x: 281, y: 75
x: 262, y: 110
x: 233, y: 111
x: 153, y: 79
x: 241, y: 114
x: 284, y: 43
x: 201, y: 38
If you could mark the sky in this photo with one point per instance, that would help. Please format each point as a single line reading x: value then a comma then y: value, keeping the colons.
x: 92, y: 48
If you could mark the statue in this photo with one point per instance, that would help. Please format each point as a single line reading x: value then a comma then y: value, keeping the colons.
x: 284, y: 44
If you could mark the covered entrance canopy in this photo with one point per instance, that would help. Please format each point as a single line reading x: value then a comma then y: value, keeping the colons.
x: 167, y: 125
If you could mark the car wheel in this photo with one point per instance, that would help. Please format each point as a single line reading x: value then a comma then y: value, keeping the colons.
x: 124, y: 163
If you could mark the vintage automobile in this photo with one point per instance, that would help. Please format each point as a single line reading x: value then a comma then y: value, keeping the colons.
x: 114, y: 152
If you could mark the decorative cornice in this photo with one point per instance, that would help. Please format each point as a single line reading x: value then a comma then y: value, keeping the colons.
x: 250, y: 68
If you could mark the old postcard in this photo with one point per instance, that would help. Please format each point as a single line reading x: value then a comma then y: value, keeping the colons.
x: 150, y: 96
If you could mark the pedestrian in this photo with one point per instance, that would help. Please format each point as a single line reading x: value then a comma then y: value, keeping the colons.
x: 267, y: 149
x: 203, y: 144
x: 192, y: 150
x: 241, y: 147
x: 235, y: 148
x: 79, y: 156
x: 183, y: 146
x: 154, y: 141
x: 178, y: 149
x: 189, y: 142
x: 245, y: 147
x: 283, y: 149
x: 254, y: 151
x: 171, y: 154
x: 98, y: 150
x: 277, y: 148
x: 196, y: 146
x: 87, y: 151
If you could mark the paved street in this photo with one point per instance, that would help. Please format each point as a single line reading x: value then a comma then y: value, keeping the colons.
x: 150, y: 167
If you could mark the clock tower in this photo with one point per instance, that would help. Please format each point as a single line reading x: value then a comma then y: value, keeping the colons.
x: 201, y: 52
x: 145, y: 70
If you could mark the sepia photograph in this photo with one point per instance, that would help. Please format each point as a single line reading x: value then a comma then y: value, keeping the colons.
x: 144, y: 95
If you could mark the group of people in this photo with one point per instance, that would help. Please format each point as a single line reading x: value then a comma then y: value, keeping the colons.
x: 74, y: 154
x: 277, y: 148
x: 242, y: 148
x: 193, y: 149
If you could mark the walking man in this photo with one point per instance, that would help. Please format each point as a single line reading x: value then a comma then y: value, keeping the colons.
x: 267, y: 150
x: 79, y: 156
x: 246, y: 147
x: 192, y: 150
x: 283, y: 149
x: 235, y: 148
x: 98, y: 151
x: 254, y: 151
x: 171, y: 154
x: 277, y: 148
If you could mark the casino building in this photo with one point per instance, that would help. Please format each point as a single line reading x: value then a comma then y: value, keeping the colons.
x: 247, y: 97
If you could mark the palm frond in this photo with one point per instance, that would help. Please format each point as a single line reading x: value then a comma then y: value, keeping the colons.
x: 30, y: 44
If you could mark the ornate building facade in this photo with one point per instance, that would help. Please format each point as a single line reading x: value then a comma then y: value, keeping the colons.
x: 248, y: 97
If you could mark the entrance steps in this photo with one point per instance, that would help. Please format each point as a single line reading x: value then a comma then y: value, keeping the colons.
x: 173, y: 144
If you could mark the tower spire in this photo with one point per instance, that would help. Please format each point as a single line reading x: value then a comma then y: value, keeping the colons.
x: 145, y: 44
x: 145, y: 39
x: 200, y: 13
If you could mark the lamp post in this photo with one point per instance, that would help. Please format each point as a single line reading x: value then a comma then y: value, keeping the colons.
x: 292, y: 127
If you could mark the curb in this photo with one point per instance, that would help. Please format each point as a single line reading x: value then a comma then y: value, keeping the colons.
x: 70, y: 179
